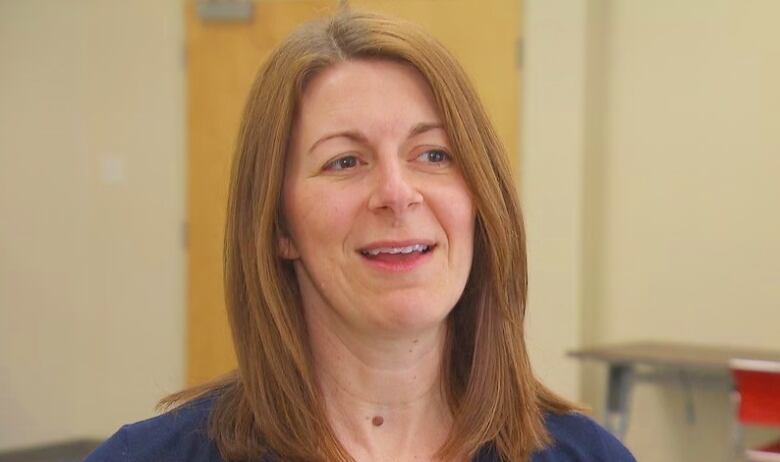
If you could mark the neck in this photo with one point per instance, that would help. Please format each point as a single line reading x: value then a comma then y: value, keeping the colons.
x: 383, y: 394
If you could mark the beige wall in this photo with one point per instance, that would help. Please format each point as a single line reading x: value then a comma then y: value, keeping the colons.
x: 551, y: 182
x: 690, y: 238
x: 679, y: 211
x: 91, y: 208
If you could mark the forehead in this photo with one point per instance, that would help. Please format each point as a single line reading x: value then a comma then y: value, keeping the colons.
x: 366, y: 92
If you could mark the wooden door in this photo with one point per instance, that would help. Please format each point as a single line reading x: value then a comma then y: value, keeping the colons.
x: 222, y: 59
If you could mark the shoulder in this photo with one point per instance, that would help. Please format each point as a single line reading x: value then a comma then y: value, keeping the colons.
x: 577, y: 438
x: 177, y: 435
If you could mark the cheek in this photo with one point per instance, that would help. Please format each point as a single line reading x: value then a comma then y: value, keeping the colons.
x: 458, y: 214
x: 462, y: 223
x: 318, y: 215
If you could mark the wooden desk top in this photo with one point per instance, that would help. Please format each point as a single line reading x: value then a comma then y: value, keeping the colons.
x: 672, y: 354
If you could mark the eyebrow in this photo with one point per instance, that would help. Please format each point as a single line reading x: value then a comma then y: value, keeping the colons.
x: 354, y: 135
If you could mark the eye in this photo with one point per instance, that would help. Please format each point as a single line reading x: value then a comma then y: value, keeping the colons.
x: 435, y: 156
x: 342, y: 163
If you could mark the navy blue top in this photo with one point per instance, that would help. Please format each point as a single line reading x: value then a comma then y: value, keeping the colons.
x: 181, y: 436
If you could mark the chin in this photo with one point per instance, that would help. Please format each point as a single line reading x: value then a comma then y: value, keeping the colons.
x: 402, y: 315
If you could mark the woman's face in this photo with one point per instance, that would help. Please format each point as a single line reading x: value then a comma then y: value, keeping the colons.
x: 380, y: 220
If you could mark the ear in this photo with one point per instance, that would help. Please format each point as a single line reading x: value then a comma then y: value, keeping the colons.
x: 287, y: 249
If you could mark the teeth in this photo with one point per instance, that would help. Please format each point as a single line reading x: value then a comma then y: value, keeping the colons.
x: 396, y: 250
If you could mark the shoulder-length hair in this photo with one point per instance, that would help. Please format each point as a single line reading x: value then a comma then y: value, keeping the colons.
x: 271, y: 404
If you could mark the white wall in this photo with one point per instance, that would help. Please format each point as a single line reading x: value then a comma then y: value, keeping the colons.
x: 91, y: 207
x: 679, y: 166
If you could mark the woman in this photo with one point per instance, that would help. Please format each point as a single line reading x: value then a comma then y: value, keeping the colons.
x: 375, y: 273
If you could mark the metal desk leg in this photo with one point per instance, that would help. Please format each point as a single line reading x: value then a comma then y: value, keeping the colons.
x: 616, y: 413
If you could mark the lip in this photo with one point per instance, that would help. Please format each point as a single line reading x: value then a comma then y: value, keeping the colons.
x: 398, y: 264
x: 405, y: 243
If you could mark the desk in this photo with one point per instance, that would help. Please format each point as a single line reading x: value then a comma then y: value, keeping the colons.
x: 679, y: 358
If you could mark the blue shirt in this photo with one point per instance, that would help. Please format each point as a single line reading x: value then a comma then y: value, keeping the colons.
x: 181, y: 436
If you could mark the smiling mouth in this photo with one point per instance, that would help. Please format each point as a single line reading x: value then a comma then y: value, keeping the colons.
x: 397, y: 257
x: 398, y: 251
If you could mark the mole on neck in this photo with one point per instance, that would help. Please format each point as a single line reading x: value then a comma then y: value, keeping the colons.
x: 378, y: 420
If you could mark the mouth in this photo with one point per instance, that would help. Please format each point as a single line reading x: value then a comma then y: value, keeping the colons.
x: 397, y: 256
x: 396, y: 250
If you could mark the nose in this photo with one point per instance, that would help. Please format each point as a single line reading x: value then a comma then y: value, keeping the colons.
x: 392, y: 189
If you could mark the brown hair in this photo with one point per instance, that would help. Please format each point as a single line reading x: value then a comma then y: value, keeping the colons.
x: 271, y: 403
